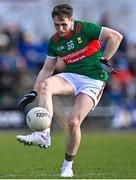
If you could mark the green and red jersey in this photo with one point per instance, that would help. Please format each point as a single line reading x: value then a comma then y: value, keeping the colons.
x: 80, y: 50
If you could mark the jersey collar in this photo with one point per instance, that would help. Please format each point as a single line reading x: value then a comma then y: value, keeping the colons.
x: 68, y: 35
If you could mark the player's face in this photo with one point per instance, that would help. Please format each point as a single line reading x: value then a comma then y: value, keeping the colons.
x: 63, y: 26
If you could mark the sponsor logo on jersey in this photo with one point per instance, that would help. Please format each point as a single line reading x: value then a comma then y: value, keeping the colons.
x: 75, y: 55
x: 90, y: 49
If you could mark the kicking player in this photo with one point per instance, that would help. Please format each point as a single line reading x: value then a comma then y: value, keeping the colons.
x: 78, y: 44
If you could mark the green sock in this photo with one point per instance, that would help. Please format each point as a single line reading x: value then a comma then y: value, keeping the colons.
x: 69, y: 157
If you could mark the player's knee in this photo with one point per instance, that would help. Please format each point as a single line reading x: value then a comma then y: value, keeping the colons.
x: 45, y: 87
x: 73, y: 125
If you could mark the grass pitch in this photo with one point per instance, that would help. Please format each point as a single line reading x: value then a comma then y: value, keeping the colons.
x: 109, y: 155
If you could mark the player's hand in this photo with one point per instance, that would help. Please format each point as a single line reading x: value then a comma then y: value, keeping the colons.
x: 28, y: 98
x: 108, y: 67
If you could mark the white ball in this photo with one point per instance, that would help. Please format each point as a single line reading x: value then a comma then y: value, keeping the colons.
x: 38, y: 119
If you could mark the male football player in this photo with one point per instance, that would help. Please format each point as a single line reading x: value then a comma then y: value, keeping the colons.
x: 78, y: 44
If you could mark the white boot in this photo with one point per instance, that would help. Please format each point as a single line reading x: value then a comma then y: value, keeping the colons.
x: 66, y: 170
x: 42, y: 139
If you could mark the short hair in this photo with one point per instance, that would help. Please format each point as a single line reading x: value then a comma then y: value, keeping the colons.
x: 62, y: 10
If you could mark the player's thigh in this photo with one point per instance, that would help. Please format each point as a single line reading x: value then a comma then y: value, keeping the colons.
x: 82, y: 105
x: 59, y: 86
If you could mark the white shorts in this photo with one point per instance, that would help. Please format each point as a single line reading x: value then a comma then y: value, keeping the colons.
x: 92, y: 87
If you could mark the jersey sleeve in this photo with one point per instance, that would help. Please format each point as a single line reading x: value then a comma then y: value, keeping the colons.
x: 92, y: 30
x: 50, y: 50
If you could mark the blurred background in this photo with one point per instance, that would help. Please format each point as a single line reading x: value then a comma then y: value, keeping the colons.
x: 25, y: 28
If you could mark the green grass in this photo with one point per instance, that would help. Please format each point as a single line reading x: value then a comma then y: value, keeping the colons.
x: 101, y: 156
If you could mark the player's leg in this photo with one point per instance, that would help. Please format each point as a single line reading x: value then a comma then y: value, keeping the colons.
x: 52, y: 86
x: 59, y: 113
x: 55, y: 85
x: 83, y: 104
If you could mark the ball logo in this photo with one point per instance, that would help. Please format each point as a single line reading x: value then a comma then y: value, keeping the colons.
x: 41, y: 114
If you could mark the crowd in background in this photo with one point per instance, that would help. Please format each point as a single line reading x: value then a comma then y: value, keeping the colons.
x: 21, y: 59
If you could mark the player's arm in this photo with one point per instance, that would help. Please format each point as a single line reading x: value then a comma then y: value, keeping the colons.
x: 112, y: 39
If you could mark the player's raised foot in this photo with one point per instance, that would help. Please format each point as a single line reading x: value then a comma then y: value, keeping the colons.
x: 66, y: 172
x: 41, y: 139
